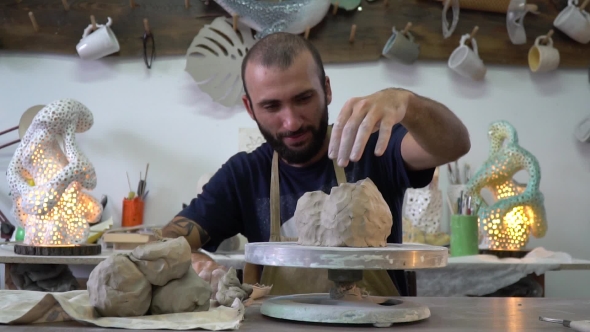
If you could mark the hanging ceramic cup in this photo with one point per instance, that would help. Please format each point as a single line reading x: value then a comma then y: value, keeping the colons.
x: 99, y: 43
x: 543, y: 58
x: 574, y: 22
x: 466, y: 62
x: 517, y: 9
x: 402, y: 47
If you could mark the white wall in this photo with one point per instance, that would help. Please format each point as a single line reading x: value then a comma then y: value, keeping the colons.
x: 160, y: 116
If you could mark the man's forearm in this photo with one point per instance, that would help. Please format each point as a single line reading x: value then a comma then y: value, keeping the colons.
x: 189, y: 229
x: 436, y: 129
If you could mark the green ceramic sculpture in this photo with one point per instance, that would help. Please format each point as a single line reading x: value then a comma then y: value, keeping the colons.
x: 518, y: 209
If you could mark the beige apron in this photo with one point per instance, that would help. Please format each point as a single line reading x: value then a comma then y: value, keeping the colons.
x: 290, y: 280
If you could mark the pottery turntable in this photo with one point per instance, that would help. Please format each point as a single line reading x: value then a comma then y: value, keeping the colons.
x: 345, y: 267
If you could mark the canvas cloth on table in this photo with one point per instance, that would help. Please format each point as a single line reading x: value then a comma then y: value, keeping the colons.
x: 30, y: 307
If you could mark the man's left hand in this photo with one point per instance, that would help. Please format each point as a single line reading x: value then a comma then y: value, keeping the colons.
x: 362, y: 116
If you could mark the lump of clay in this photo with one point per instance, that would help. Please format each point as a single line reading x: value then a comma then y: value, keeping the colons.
x: 117, y: 288
x: 188, y: 294
x: 353, y: 215
x: 230, y: 289
x: 163, y: 261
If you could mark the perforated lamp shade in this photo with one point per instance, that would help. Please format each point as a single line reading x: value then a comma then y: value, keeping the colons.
x: 47, y: 179
x: 518, y: 210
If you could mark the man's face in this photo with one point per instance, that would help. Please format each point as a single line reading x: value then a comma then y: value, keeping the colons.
x: 290, y: 107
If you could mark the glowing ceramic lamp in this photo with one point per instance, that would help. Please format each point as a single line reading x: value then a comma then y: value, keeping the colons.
x: 47, y: 178
x: 518, y: 209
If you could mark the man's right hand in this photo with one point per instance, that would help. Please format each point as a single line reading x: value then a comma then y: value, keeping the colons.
x: 208, y: 270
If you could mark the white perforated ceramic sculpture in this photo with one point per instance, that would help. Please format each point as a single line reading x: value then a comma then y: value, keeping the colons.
x: 46, y: 178
x: 423, y: 206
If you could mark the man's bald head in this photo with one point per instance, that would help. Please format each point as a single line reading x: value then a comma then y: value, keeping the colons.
x: 279, y: 50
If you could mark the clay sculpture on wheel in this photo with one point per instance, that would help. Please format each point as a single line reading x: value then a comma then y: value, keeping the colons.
x: 353, y: 215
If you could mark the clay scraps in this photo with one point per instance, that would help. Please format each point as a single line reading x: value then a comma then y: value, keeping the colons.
x: 157, y: 278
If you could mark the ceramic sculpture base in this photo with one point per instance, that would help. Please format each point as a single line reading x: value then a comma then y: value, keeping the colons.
x: 345, y: 267
x: 85, y: 249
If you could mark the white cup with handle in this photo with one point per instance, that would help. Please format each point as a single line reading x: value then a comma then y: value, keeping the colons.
x: 99, y: 43
x: 466, y: 62
x: 543, y: 58
x: 574, y: 22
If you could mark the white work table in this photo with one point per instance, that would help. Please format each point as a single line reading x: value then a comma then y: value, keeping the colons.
x: 7, y: 256
x: 469, y: 275
x: 81, y: 266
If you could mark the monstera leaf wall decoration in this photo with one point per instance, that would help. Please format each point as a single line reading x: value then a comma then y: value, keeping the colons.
x: 214, y: 59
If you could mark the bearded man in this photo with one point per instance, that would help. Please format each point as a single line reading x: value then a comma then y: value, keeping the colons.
x: 393, y: 136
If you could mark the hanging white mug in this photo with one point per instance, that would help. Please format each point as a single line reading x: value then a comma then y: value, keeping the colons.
x: 574, y: 22
x: 99, y: 43
x: 466, y: 62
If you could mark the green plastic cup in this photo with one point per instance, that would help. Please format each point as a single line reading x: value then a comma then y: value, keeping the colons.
x: 464, y: 235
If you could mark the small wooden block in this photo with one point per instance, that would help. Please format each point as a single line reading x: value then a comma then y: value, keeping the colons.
x: 75, y: 250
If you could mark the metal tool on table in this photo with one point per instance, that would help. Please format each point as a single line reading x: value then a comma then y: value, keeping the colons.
x: 576, y: 325
x: 345, y: 268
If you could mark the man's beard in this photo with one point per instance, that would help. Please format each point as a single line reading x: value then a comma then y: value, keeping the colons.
x: 299, y: 156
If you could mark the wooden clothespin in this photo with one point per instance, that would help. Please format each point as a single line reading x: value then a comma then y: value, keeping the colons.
x: 93, y: 22
x: 407, y: 28
x: 584, y: 4
x: 66, y: 5
x: 335, y: 9
x: 146, y: 26
x: 546, y: 39
x: 235, y: 16
x: 386, y: 3
x: 352, y: 33
x: 306, y: 32
x: 32, y: 17
x: 132, y: 3
x: 186, y: 4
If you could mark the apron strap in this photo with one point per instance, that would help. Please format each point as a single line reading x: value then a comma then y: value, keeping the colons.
x: 275, y: 201
x: 275, y: 195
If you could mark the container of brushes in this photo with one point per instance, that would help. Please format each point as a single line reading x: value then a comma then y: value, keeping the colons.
x: 133, y: 207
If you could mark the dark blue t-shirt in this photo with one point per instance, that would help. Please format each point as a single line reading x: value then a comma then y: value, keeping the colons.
x: 237, y: 198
